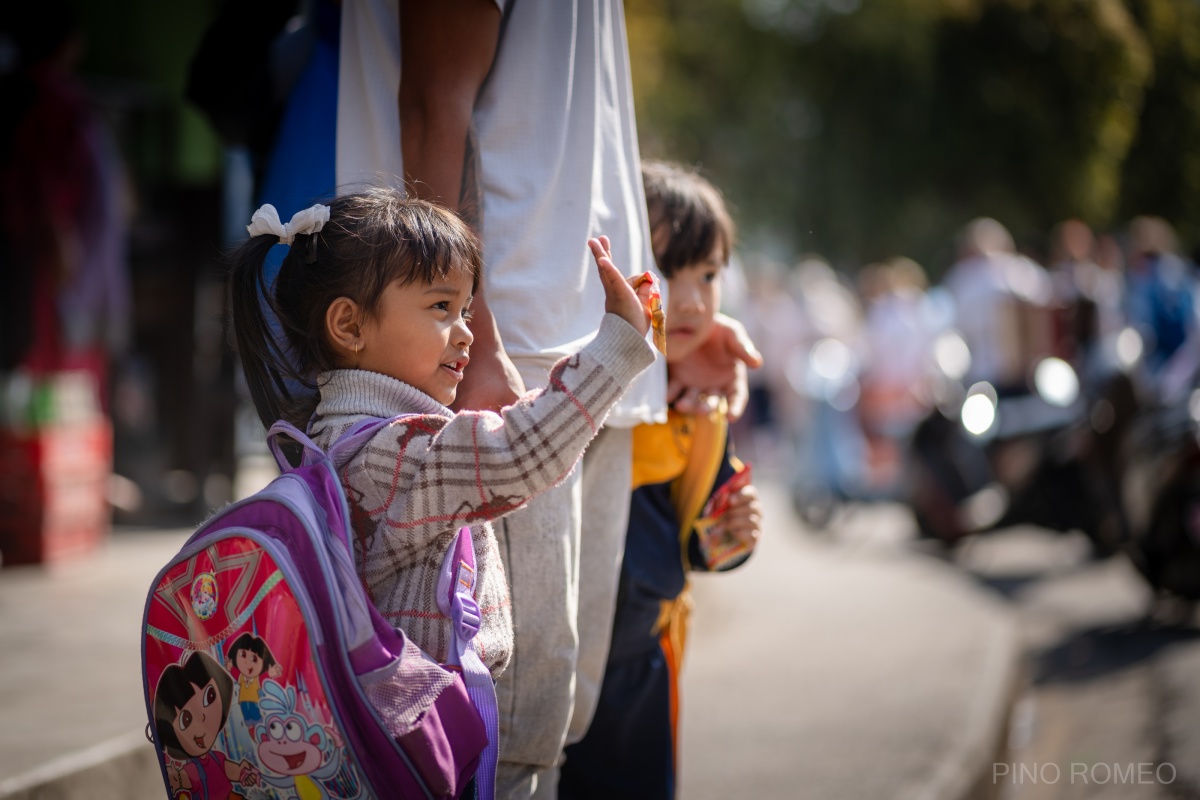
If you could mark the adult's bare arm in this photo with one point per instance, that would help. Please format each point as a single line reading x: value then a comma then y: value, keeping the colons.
x: 718, y: 367
x: 446, y: 50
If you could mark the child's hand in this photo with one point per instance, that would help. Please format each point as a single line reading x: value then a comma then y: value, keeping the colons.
x: 175, y: 776
x: 248, y: 775
x: 718, y: 367
x: 743, y: 519
x: 620, y: 298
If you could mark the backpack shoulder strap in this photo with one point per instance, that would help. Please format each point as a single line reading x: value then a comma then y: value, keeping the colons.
x: 456, y: 599
x: 342, y: 450
x: 354, y: 438
x: 311, y: 455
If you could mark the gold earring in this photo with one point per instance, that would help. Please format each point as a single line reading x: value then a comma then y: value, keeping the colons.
x: 356, y: 346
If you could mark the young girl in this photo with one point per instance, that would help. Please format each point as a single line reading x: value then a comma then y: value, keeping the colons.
x: 191, y: 705
x: 251, y: 657
x: 691, y: 509
x: 373, y: 301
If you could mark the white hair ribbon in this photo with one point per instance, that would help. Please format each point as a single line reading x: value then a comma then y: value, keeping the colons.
x: 266, y: 221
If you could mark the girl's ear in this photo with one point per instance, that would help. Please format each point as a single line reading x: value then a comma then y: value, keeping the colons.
x: 343, y: 326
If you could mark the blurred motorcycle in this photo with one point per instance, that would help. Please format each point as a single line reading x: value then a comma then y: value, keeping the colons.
x: 1161, y: 494
x: 1046, y: 454
x: 855, y: 442
x: 829, y: 456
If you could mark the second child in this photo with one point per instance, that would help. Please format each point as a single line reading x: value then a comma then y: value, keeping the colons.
x: 692, y: 508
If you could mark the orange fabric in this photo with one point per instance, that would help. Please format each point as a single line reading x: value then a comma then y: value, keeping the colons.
x: 672, y: 627
x: 673, y: 671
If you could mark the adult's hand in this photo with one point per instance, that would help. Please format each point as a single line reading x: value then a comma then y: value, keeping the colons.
x: 718, y: 368
x: 491, y: 381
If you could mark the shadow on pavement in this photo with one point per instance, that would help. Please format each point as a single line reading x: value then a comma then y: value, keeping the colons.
x: 1095, y: 652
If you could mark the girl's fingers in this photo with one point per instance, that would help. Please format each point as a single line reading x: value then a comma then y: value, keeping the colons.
x: 644, y: 288
x: 598, y: 249
x: 619, y: 297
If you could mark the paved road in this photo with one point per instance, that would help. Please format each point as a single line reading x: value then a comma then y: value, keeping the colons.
x: 1113, y: 707
x: 1114, y: 710
x: 842, y: 666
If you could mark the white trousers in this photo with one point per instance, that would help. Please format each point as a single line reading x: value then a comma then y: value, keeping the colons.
x: 562, y: 555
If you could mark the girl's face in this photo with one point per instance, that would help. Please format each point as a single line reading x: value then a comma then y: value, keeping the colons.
x: 248, y: 663
x: 199, y: 721
x: 420, y: 335
x: 693, y: 297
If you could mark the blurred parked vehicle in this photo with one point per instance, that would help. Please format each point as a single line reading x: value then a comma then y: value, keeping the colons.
x: 1048, y: 453
x: 825, y: 446
x: 830, y: 459
x: 863, y: 384
x: 1160, y: 486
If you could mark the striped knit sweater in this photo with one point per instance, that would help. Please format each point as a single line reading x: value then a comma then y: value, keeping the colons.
x: 421, y: 478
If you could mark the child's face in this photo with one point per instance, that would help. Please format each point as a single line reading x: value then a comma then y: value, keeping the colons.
x: 420, y: 335
x: 693, y: 297
x: 199, y: 721
x: 248, y: 663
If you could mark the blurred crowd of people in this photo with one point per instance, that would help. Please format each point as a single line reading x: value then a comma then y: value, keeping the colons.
x: 851, y: 362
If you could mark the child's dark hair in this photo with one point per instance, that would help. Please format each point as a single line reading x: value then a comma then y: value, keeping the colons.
x: 688, y: 218
x: 177, y: 686
x: 256, y: 645
x: 372, y: 240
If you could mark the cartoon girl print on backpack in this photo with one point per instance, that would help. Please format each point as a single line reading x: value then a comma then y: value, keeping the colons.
x: 251, y: 657
x: 191, y: 706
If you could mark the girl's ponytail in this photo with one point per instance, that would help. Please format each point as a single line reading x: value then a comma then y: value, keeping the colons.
x: 256, y: 339
x: 277, y: 377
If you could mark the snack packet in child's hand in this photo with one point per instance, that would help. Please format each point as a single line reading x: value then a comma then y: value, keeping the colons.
x: 718, y: 545
x: 658, y: 317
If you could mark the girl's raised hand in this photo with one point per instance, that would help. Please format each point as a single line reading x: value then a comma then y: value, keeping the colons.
x: 620, y: 298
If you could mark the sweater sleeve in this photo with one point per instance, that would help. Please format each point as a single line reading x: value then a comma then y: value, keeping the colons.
x: 427, y: 474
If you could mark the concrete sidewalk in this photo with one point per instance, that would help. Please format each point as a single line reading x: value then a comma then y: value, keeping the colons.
x: 818, y: 670
x: 72, y: 717
x: 845, y: 667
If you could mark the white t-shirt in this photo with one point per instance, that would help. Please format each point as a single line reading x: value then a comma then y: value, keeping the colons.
x: 559, y: 159
x: 995, y: 296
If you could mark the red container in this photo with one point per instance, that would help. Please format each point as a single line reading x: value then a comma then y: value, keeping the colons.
x: 54, y: 491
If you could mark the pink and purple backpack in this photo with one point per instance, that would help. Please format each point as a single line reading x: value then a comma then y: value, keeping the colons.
x: 268, y: 672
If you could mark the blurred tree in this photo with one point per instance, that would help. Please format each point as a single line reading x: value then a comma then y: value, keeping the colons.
x: 862, y: 131
x: 1162, y: 173
x: 1037, y: 104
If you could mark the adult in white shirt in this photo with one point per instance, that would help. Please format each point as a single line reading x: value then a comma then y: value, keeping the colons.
x: 519, y: 114
x: 1002, y: 301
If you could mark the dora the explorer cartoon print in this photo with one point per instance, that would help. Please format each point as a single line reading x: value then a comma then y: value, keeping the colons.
x: 251, y: 657
x: 191, y: 706
x: 305, y: 754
